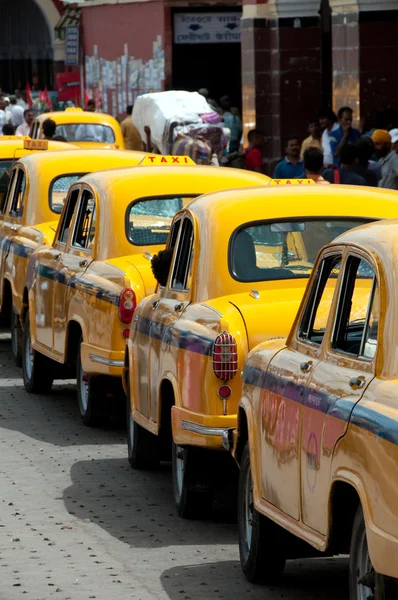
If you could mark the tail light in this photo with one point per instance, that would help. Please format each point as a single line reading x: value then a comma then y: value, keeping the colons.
x: 225, y: 357
x: 127, y: 305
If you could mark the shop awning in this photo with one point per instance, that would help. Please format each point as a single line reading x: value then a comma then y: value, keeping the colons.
x: 70, y: 16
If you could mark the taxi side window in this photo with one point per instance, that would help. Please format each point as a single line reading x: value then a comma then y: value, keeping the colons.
x: 313, y: 325
x: 174, y: 235
x: 184, y: 256
x: 17, y: 207
x: 6, y: 197
x: 357, y: 317
x: 85, y: 224
x: 68, y: 216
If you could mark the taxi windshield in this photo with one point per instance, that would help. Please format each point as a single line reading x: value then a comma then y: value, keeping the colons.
x: 148, y: 220
x: 86, y: 132
x: 282, y: 250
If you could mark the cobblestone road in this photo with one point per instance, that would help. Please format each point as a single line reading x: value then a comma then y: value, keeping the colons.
x: 76, y: 523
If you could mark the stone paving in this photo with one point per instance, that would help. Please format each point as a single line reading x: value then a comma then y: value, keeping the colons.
x: 77, y: 523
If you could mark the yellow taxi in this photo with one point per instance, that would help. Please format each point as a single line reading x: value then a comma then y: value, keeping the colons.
x: 84, y: 288
x: 83, y: 128
x: 29, y: 213
x: 239, y: 266
x: 317, y: 433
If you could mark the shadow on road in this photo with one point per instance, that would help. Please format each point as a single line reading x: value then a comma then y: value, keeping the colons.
x: 137, y: 507
x: 311, y: 579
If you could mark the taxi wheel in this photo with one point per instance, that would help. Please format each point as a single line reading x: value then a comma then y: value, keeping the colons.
x: 36, y: 368
x: 192, y: 495
x: 362, y: 574
x: 90, y: 395
x: 16, y: 338
x: 142, y: 446
x: 262, y: 555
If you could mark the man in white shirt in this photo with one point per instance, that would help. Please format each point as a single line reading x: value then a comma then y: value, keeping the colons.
x: 29, y: 117
x: 16, y: 111
x: 327, y: 119
x: 20, y: 100
x: 5, y: 116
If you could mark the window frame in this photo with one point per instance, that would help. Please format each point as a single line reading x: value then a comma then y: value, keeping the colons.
x: 341, y: 307
x: 296, y: 219
x: 10, y: 190
x: 175, y: 262
x: 20, y: 169
x: 55, y: 179
x: 57, y: 240
x: 78, y: 216
x: 154, y: 197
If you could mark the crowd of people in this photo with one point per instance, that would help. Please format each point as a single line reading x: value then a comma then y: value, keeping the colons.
x: 335, y: 151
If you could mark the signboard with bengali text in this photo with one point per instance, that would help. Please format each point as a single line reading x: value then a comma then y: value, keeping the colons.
x: 72, y: 45
x: 207, y: 28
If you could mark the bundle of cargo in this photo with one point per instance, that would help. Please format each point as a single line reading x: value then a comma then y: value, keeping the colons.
x: 181, y: 123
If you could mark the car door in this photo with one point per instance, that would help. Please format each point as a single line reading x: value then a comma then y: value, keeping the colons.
x: 45, y: 268
x: 73, y: 263
x: 165, y: 337
x: 142, y: 334
x: 5, y: 225
x: 337, y: 383
x: 288, y: 378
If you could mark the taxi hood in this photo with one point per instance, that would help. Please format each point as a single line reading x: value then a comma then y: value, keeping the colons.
x: 269, y: 312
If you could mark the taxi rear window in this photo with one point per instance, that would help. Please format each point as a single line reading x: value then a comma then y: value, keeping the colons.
x: 263, y: 251
x: 86, y: 132
x: 148, y: 220
x: 59, y: 188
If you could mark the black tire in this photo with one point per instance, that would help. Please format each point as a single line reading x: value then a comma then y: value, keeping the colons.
x: 91, y: 395
x: 263, y: 557
x: 16, y: 337
x: 193, y: 494
x: 37, y: 369
x: 358, y: 546
x: 143, y: 448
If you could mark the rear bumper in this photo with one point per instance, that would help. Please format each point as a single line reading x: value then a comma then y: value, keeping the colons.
x: 204, y: 431
x: 100, y: 361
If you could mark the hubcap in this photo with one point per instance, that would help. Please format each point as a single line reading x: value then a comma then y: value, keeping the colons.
x: 83, y: 390
x: 28, y: 356
x: 248, y: 510
x: 179, y: 469
x: 364, y: 571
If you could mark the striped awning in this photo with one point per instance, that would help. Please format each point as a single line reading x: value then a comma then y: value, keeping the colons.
x: 70, y: 16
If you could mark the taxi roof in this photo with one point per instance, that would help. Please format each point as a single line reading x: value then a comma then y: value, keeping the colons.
x: 78, y: 116
x: 84, y: 160
x: 9, y: 146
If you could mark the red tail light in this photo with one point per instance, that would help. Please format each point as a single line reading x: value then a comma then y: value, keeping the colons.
x: 225, y: 357
x: 127, y: 305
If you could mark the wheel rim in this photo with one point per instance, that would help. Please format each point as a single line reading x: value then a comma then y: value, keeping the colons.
x: 29, y: 352
x: 363, y: 569
x: 247, y: 513
x: 179, y: 469
x: 83, y: 384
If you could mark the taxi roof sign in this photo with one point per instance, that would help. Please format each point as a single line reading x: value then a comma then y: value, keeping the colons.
x: 156, y: 160
x: 35, y: 144
x: 291, y: 182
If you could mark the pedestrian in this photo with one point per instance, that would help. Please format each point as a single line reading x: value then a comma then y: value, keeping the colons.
x: 90, y: 106
x: 8, y: 129
x: 5, y: 116
x: 344, y: 134
x: 20, y: 100
x: 49, y: 128
x: 132, y: 138
x: 328, y: 122
x: 292, y: 166
x: 313, y: 165
x: 364, y: 167
x: 388, y: 159
x: 8, y: 108
x: 233, y: 122
x: 254, y: 154
x: 345, y: 173
x: 394, y: 139
x: 314, y: 140
x: 16, y: 112
x: 29, y: 117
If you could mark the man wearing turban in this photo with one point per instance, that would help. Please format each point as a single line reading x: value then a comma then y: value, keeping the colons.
x: 388, y: 159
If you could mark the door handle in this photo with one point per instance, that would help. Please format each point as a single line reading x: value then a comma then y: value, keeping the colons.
x: 57, y: 256
x: 83, y: 263
x: 155, y: 303
x: 13, y: 227
x: 179, y: 307
x: 305, y: 366
x: 357, y: 382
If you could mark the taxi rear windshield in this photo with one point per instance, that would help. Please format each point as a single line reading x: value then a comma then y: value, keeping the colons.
x: 282, y: 249
x: 148, y: 220
x: 86, y: 132
x: 59, y: 188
